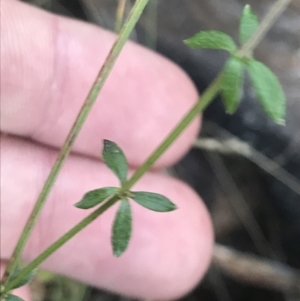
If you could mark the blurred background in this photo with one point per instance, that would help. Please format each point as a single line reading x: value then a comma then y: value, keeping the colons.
x: 245, y: 167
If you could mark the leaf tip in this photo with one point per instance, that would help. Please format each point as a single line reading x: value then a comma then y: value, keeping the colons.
x: 247, y: 10
x: 247, y: 7
x: 118, y: 253
x: 122, y: 229
x: 115, y: 159
x: 107, y: 144
x: 188, y: 43
x: 173, y: 206
x: 80, y: 205
x: 77, y: 205
x: 230, y: 111
x: 281, y: 121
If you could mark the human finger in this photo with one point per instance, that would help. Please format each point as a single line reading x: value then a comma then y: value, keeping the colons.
x: 168, y: 251
x: 48, y: 64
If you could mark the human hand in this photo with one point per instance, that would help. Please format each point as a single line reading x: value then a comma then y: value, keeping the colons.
x: 48, y: 64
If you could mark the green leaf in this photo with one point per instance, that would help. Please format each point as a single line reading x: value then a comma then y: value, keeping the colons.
x: 26, y: 279
x: 13, y: 298
x: 153, y: 201
x: 115, y: 159
x: 122, y: 228
x: 232, y: 81
x: 268, y: 90
x: 212, y: 40
x: 248, y: 24
x: 95, y: 197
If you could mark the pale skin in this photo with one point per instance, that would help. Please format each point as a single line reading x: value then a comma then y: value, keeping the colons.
x: 47, y: 66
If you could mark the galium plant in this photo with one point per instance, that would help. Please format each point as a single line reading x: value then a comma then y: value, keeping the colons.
x: 228, y: 83
x: 264, y: 81
x: 115, y: 159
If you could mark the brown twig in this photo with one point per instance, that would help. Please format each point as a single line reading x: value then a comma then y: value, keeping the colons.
x: 239, y: 205
x: 256, y: 270
x: 230, y: 144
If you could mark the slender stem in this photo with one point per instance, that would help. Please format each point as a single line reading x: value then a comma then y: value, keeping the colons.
x: 210, y: 93
x: 207, y: 97
x: 151, y: 24
x: 120, y: 15
x: 61, y: 241
x: 83, y: 114
x: 264, y: 26
x: 205, y: 100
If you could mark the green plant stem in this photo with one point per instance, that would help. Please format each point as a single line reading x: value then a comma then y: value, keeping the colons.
x: 151, y: 24
x: 207, y: 97
x: 264, y: 27
x: 209, y: 94
x: 61, y: 241
x: 82, y: 116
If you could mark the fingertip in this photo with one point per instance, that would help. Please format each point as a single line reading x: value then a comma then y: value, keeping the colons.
x: 174, y: 248
x: 169, y: 252
x: 47, y: 75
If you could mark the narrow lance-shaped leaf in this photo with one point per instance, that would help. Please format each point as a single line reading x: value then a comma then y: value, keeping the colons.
x: 13, y: 298
x: 268, y: 90
x: 95, y: 197
x: 153, y: 201
x: 232, y: 81
x: 26, y: 279
x: 122, y: 228
x: 115, y: 159
x: 212, y: 40
x: 248, y: 24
